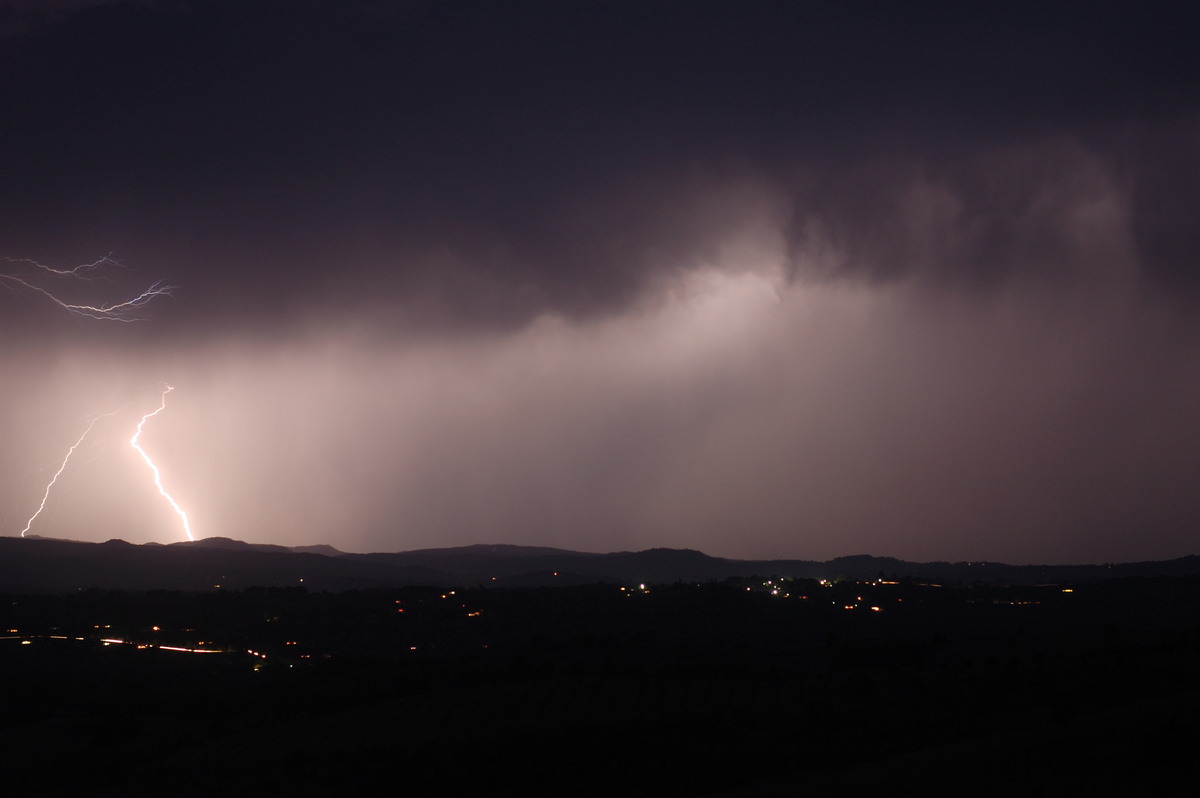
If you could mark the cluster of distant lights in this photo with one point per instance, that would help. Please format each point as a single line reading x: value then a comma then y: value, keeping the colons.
x: 258, y: 658
x: 778, y: 588
x: 27, y: 640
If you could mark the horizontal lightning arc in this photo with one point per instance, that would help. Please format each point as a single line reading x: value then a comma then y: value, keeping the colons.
x: 117, y: 311
x: 187, y: 528
x: 81, y: 271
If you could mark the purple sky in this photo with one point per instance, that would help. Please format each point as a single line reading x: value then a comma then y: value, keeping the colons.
x: 761, y: 279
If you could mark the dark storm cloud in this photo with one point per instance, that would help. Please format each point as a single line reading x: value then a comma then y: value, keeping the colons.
x: 506, y: 162
x: 21, y: 16
x: 1165, y: 198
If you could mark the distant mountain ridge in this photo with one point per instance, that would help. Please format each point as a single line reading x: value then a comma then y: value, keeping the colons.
x: 37, y: 564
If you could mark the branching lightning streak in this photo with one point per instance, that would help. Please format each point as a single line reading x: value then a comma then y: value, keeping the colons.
x: 117, y: 311
x: 81, y: 271
x: 187, y: 529
x: 62, y: 468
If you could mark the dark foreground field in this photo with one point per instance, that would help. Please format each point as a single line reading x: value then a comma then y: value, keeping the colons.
x: 743, y: 688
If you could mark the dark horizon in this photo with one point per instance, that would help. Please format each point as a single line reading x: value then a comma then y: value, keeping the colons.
x: 493, y: 545
x: 662, y: 565
x: 762, y: 280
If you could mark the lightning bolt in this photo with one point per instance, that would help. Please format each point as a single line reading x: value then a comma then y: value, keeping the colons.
x: 187, y: 529
x: 118, y: 311
x: 82, y: 271
x: 62, y: 468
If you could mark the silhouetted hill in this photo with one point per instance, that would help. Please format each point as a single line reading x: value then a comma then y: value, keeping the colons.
x: 43, y: 564
x: 320, y: 548
x: 39, y: 565
x: 493, y: 550
x: 230, y: 543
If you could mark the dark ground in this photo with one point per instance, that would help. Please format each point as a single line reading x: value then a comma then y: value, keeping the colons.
x: 594, y: 690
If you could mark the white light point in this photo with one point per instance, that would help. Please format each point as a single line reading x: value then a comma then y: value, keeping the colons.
x: 61, y: 468
x: 187, y: 529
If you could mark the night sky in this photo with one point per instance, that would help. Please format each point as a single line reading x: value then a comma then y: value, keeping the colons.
x: 799, y: 279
